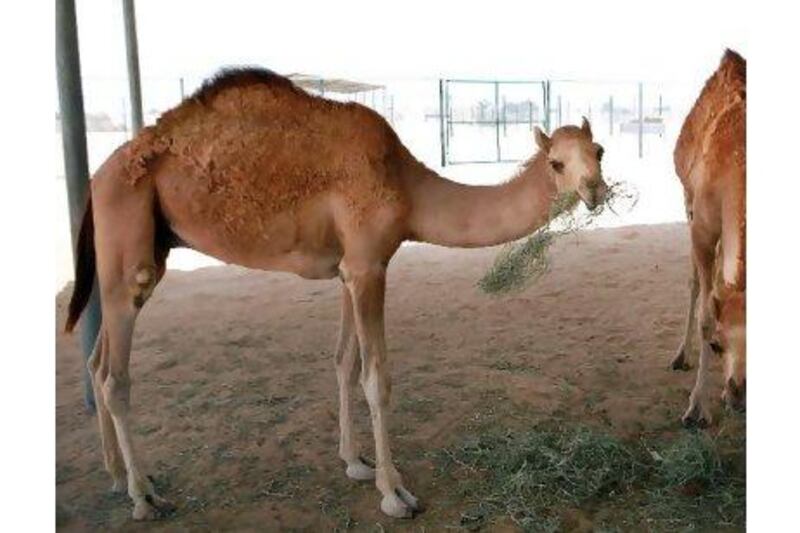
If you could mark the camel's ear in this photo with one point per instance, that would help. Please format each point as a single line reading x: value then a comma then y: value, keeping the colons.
x: 586, y: 127
x: 542, y: 140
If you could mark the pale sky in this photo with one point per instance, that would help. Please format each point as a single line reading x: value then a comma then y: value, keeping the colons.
x: 607, y: 40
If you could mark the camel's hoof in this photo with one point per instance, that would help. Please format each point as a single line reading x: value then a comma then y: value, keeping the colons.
x: 696, y: 416
x: 118, y: 486
x: 152, y: 508
x: 401, y: 504
x: 359, y: 471
x: 679, y: 361
x: 410, y: 500
x: 393, y: 506
x: 144, y: 511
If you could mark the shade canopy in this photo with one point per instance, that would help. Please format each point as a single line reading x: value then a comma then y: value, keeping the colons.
x: 331, y: 85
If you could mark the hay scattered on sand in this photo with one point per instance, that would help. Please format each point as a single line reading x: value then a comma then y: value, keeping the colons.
x: 523, y: 262
x: 531, y: 477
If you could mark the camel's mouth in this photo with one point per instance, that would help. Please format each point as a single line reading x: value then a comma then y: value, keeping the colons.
x: 734, y: 395
x: 591, y: 205
x: 594, y: 195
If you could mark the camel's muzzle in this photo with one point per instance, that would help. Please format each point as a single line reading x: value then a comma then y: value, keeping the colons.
x: 593, y: 194
x: 734, y: 395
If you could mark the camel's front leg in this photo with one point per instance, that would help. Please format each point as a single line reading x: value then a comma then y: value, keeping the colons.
x: 347, y: 371
x: 367, y: 284
x: 698, y: 411
x: 703, y: 248
x: 681, y: 359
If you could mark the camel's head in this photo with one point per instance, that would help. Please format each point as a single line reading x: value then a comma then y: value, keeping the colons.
x: 573, y: 159
x: 729, y: 341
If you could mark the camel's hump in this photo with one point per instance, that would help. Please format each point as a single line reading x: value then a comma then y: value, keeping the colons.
x: 230, y: 77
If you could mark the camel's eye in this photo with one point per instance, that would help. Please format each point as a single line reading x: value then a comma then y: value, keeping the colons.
x: 558, y: 166
x: 600, y: 152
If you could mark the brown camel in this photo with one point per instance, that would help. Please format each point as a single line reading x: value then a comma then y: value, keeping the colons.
x: 254, y: 171
x: 710, y: 160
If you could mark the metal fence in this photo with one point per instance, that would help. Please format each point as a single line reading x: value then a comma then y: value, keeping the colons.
x: 479, y: 109
x: 447, y: 121
x: 488, y: 121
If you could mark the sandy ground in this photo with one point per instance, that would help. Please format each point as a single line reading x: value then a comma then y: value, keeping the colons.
x: 234, y: 392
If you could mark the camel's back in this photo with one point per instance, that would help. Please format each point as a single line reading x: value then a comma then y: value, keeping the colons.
x: 252, y: 136
x: 712, y: 140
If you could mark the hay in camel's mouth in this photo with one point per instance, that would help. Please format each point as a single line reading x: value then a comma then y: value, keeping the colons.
x: 523, y: 262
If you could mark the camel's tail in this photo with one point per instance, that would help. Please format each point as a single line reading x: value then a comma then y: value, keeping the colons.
x: 84, y: 269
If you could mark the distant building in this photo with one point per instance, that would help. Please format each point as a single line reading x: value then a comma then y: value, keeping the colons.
x: 95, y: 122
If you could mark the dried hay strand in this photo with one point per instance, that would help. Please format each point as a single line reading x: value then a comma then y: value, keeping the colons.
x: 523, y: 262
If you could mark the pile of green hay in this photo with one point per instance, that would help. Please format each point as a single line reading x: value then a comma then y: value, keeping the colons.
x: 530, y: 477
x: 699, y: 482
x: 526, y: 475
x: 523, y: 262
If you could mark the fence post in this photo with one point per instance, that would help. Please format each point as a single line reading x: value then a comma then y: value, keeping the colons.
x: 610, y: 116
x: 449, y: 115
x: 442, y: 141
x: 641, y: 120
x: 530, y: 115
x: 546, y: 104
x: 559, y: 111
x: 505, y: 118
x: 76, y: 166
x: 497, y: 118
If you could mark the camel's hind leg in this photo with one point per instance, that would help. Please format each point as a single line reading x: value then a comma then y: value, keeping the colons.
x: 119, y: 324
x: 127, y: 274
x: 112, y: 456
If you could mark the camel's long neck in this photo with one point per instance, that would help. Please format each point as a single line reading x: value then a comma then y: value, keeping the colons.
x: 452, y: 214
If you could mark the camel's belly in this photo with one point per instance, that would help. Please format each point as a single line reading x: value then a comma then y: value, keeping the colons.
x: 306, y: 259
x: 301, y: 239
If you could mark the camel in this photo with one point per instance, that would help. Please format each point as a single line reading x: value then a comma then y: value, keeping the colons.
x: 710, y: 160
x: 254, y: 171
